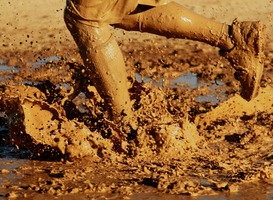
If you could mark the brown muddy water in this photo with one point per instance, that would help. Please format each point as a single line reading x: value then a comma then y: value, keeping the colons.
x: 197, y: 139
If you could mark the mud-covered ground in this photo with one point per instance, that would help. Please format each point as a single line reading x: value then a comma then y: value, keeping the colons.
x: 196, y: 136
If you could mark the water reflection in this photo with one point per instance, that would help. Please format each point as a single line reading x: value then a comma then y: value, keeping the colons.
x: 190, y: 81
x: 35, y: 65
x: 43, y: 61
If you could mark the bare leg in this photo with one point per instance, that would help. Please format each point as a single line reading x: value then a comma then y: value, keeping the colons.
x: 104, y: 64
x: 174, y: 20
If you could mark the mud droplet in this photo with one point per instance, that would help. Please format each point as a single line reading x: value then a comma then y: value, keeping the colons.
x: 4, y: 171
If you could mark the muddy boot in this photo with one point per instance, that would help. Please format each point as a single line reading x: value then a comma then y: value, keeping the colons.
x: 247, y: 56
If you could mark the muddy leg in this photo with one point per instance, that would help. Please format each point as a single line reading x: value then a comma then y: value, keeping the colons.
x: 104, y: 64
x: 242, y: 43
x: 175, y: 21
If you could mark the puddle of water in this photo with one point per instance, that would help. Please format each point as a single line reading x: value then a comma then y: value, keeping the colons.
x: 191, y: 81
x: 35, y: 65
x: 43, y: 61
x: 9, y: 70
x: 5, y: 68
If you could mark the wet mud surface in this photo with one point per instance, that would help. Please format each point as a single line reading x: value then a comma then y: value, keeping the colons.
x: 196, y: 135
x: 196, y: 138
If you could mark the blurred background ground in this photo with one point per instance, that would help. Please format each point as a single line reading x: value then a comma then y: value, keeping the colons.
x: 37, y: 24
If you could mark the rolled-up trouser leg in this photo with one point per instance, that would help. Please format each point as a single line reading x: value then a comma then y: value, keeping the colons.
x: 104, y: 64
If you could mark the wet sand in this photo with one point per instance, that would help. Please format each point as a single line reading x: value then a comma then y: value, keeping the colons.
x: 197, y: 136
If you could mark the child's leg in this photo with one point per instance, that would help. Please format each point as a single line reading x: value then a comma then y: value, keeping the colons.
x: 104, y: 64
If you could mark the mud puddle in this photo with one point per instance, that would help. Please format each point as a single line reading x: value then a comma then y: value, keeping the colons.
x: 28, y: 179
x: 190, y: 81
x: 187, y: 81
x: 196, y: 138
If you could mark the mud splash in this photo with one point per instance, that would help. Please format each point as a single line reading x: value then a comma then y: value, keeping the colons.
x: 50, y: 129
x: 36, y: 109
x: 181, y: 146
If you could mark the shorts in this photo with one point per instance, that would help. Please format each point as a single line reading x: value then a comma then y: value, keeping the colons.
x: 99, y: 12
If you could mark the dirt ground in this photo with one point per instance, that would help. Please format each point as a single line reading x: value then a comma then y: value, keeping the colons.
x: 196, y: 138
